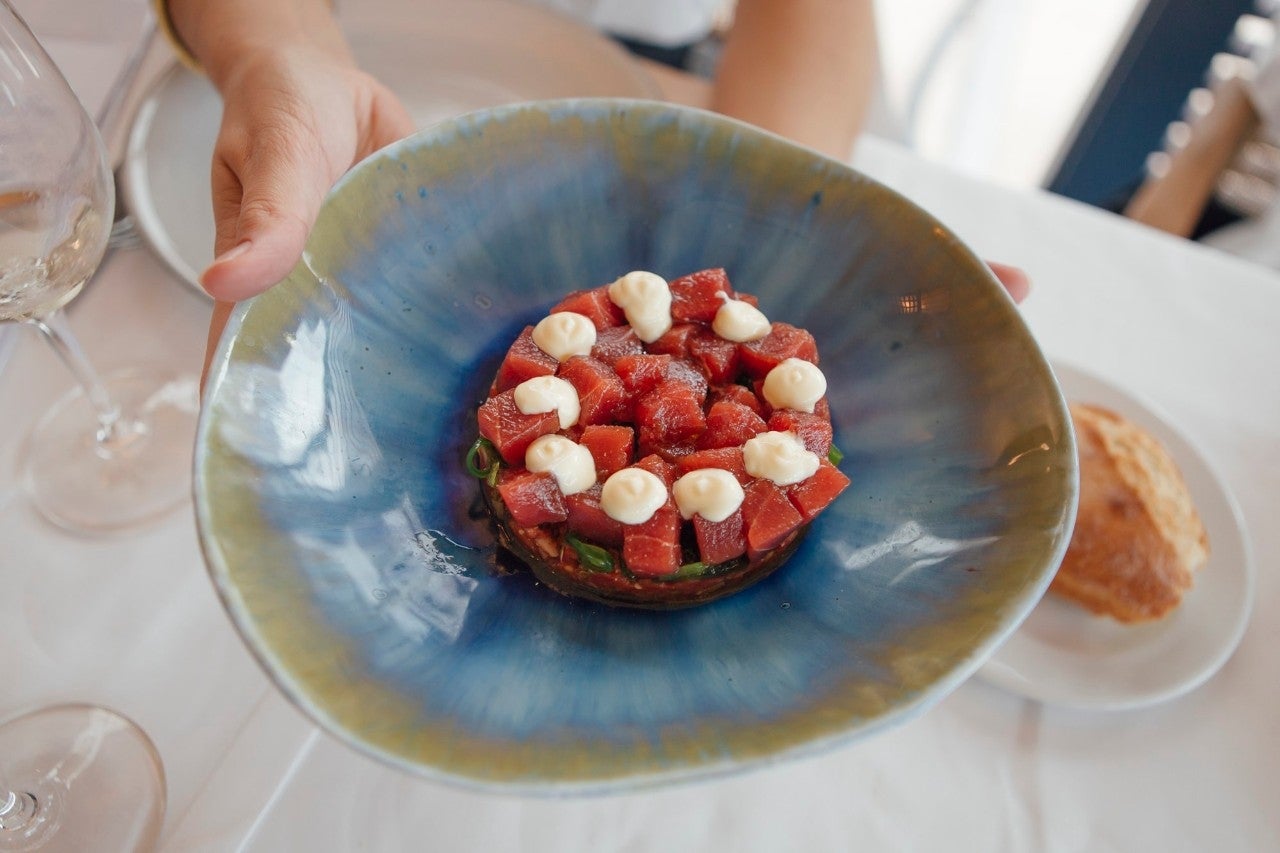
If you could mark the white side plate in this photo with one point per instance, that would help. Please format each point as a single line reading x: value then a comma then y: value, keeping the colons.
x: 1064, y: 655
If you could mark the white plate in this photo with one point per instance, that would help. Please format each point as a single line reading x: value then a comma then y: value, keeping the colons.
x: 442, y: 57
x: 1064, y: 655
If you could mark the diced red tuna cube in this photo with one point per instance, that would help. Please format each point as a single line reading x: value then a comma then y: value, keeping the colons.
x: 698, y: 296
x: 766, y: 410
x: 612, y: 344
x: 720, y: 541
x: 652, y: 549
x: 726, y: 458
x: 612, y: 446
x: 600, y: 392
x: 718, y: 358
x: 784, y: 342
x: 812, y: 429
x: 738, y: 394
x: 675, y: 341
x: 595, y: 305
x: 524, y: 361
x: 815, y: 494
x: 673, y: 453
x: 589, y: 520
x: 687, y: 374
x: 510, y: 430
x: 532, y: 499
x: 659, y: 467
x: 730, y: 424
x: 768, y: 517
x: 640, y: 374
x: 669, y: 415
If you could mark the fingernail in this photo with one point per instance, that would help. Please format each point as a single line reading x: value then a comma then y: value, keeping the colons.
x: 229, y: 255
x: 232, y: 253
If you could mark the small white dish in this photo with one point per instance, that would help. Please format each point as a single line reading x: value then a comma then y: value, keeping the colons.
x: 441, y: 57
x: 1063, y: 655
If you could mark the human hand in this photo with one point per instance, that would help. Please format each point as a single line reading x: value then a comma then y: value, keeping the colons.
x: 294, y: 120
x: 1014, y: 280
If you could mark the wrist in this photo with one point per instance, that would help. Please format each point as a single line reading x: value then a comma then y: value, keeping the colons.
x: 224, y: 35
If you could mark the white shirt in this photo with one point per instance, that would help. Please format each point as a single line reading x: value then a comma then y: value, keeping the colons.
x: 665, y: 23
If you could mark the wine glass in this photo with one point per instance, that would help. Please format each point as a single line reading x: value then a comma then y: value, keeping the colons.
x: 115, y: 452
x: 78, y: 778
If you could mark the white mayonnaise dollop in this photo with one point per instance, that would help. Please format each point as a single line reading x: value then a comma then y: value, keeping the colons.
x: 780, y: 457
x: 632, y: 495
x: 564, y: 334
x: 712, y: 493
x: 569, y: 462
x: 549, y: 394
x: 794, y: 384
x: 740, y: 321
x: 646, y: 300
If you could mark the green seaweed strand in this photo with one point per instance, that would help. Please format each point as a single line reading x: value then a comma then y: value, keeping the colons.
x: 593, y: 557
x: 478, y: 464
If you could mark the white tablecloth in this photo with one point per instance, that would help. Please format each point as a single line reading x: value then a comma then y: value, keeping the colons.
x: 133, y: 622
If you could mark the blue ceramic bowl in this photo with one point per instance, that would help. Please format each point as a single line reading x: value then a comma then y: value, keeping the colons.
x: 341, y: 528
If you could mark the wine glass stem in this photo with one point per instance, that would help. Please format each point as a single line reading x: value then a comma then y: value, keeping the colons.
x: 56, y: 331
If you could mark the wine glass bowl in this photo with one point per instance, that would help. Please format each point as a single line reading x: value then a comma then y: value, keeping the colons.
x: 56, y: 191
x: 50, y: 244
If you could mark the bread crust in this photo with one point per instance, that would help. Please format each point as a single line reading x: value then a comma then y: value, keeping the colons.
x: 1138, y: 540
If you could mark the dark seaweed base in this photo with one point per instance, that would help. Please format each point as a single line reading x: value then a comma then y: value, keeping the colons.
x: 618, y: 588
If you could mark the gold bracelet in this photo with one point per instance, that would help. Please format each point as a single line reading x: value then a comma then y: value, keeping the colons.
x: 164, y: 20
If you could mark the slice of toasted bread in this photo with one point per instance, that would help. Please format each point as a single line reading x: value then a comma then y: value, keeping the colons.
x: 1138, y: 539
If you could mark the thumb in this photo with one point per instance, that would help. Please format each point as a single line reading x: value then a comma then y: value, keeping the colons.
x: 263, y: 231
x: 1014, y: 280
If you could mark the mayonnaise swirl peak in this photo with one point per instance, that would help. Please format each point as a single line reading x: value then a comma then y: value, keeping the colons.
x: 645, y: 298
x: 780, y: 457
x: 549, y: 394
x: 569, y: 462
x: 564, y: 334
x: 794, y: 384
x: 740, y: 321
x: 633, y: 495
x: 713, y: 493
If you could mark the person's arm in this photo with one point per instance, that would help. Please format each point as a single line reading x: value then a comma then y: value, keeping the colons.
x: 802, y: 68
x: 806, y: 70
x: 297, y: 113
x: 220, y: 35
x: 1175, y: 201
